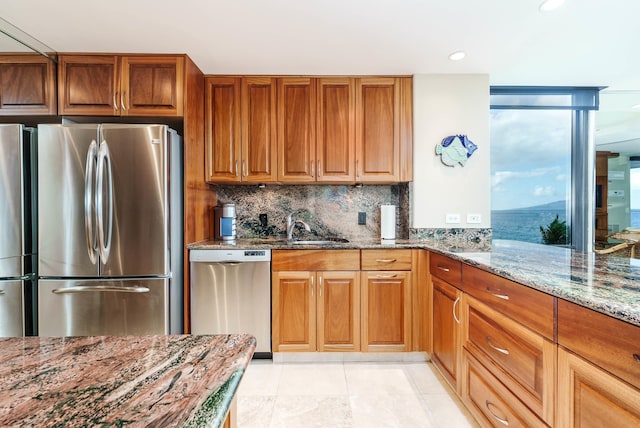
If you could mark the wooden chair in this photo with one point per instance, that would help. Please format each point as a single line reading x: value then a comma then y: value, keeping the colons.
x: 619, y: 247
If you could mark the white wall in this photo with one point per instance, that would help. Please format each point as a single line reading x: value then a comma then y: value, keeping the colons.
x: 443, y: 105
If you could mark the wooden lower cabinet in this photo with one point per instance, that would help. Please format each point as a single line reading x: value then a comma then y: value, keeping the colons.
x: 489, y: 401
x: 446, y: 329
x: 316, y: 311
x: 386, y: 311
x: 590, y: 397
x: 520, y: 359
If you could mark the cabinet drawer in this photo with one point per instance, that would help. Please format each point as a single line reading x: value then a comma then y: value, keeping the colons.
x: 609, y: 343
x: 445, y: 268
x: 521, y: 359
x: 490, y: 401
x: 282, y: 260
x: 386, y: 259
x: 525, y: 305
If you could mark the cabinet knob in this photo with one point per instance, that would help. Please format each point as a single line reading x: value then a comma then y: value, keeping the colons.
x: 636, y: 357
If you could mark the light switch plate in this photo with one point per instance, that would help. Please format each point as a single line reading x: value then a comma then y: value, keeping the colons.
x: 452, y: 218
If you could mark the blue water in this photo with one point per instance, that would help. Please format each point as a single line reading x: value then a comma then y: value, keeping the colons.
x: 522, y: 225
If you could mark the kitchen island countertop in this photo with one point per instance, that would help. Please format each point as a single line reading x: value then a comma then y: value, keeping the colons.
x: 604, y: 283
x: 180, y: 380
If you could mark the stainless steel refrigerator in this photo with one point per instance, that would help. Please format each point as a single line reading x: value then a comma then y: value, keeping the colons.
x: 110, y: 230
x: 16, y: 228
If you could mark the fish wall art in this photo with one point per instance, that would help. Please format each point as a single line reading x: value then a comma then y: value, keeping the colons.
x: 455, y: 149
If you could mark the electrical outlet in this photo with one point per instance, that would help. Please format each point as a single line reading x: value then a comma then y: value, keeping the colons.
x: 362, y: 218
x: 474, y: 218
x: 452, y: 218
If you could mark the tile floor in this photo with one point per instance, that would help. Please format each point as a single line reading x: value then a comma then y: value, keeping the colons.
x: 347, y: 394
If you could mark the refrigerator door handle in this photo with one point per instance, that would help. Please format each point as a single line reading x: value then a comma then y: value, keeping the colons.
x: 104, y: 178
x: 100, y: 288
x: 89, y: 201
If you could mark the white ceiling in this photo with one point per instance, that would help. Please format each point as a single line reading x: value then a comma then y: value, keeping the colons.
x: 584, y: 42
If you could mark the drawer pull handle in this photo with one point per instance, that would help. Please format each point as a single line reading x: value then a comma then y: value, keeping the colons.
x: 455, y: 317
x: 501, y: 350
x: 499, y: 296
x: 446, y: 269
x: 386, y: 276
x: 636, y: 357
x: 497, y: 418
x: 386, y: 260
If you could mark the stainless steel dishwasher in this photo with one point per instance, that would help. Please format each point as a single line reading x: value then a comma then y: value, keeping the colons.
x: 231, y: 293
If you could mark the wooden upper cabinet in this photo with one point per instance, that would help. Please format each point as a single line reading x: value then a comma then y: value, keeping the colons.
x: 377, y: 129
x: 335, y: 127
x: 112, y: 85
x: 27, y: 85
x: 222, y: 129
x: 296, y: 115
x: 152, y: 86
x: 88, y: 85
x: 259, y: 146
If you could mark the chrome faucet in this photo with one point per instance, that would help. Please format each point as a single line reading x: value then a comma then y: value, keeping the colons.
x: 291, y: 223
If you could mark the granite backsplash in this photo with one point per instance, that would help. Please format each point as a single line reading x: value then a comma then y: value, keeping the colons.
x: 330, y: 211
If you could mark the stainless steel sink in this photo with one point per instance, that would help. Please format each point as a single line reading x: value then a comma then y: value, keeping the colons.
x: 324, y: 241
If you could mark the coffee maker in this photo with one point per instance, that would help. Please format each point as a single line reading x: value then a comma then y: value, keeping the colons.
x: 224, y: 222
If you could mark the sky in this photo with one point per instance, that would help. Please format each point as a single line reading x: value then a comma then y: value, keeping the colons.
x: 530, y: 157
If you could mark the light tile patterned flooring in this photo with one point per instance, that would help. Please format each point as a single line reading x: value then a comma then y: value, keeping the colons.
x: 366, y: 395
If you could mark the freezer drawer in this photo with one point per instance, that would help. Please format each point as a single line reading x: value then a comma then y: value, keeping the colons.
x: 103, y: 307
x: 11, y: 309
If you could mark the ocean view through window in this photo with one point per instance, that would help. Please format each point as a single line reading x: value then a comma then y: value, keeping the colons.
x: 530, y: 172
x: 542, y: 164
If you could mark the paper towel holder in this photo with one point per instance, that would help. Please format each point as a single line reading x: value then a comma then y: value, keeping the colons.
x: 387, y: 222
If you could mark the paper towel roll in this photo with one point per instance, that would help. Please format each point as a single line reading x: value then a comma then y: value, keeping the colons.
x: 387, y: 222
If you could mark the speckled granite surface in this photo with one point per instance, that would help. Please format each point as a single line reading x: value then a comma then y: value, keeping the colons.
x: 116, y: 381
x: 605, y: 283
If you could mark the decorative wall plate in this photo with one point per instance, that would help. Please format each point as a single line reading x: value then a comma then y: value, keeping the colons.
x: 455, y: 149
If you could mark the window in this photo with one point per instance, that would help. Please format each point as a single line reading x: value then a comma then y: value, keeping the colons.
x: 540, y: 164
x: 635, y: 196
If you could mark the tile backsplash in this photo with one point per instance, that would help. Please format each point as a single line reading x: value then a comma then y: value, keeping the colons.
x: 328, y: 210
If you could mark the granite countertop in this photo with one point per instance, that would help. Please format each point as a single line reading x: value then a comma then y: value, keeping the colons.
x: 181, y: 380
x: 604, y: 283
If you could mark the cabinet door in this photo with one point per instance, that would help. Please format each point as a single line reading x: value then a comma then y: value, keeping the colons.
x: 590, y: 397
x: 152, y: 86
x: 335, y: 124
x: 446, y: 329
x: 386, y: 311
x: 88, y: 85
x: 222, y: 114
x: 293, y: 311
x: 338, y: 311
x: 377, y: 130
x: 27, y: 85
x: 296, y: 129
x: 259, y: 130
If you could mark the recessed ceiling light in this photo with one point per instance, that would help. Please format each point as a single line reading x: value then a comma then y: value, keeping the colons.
x: 549, y: 5
x: 457, y: 56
